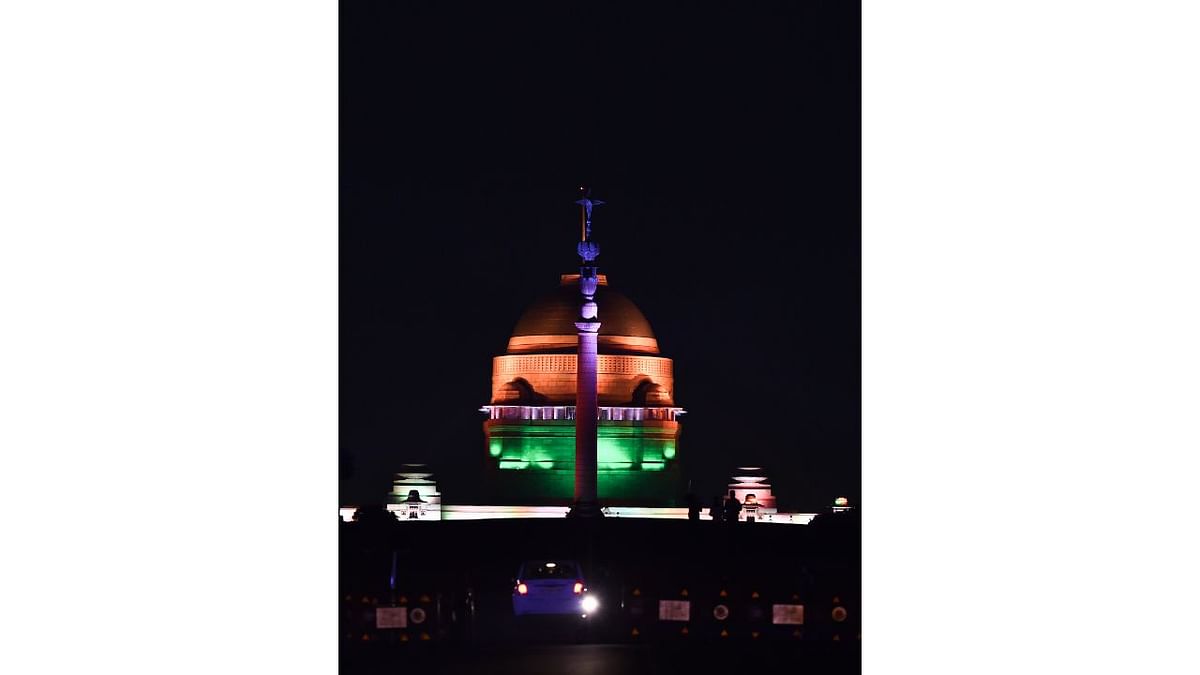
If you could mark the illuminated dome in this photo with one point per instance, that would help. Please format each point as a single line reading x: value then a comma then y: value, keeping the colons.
x: 548, y: 325
x: 531, y: 425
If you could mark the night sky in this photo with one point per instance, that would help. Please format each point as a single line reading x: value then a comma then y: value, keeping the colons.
x: 725, y: 139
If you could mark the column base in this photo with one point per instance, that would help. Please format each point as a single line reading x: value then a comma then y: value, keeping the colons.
x: 585, y: 510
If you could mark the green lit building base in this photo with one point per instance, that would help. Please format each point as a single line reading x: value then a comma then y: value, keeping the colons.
x: 533, y: 462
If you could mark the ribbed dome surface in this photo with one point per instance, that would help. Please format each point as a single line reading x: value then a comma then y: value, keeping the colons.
x: 555, y: 314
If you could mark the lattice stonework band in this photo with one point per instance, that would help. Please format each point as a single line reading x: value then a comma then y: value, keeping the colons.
x: 553, y: 376
x: 517, y: 365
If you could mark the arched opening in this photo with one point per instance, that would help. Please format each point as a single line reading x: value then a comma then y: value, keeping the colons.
x: 518, y: 392
x: 650, y: 393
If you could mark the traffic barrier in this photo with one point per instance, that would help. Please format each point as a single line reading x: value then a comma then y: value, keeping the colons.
x: 717, y: 612
x: 845, y: 624
x: 359, y: 618
x: 788, y: 616
x: 637, y: 616
x: 675, y: 615
x: 747, y: 612
x: 426, y: 620
x: 420, y: 616
x: 756, y: 615
x: 832, y: 616
x: 740, y: 612
x: 680, y: 610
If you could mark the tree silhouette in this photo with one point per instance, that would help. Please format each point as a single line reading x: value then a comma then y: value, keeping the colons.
x: 374, y: 516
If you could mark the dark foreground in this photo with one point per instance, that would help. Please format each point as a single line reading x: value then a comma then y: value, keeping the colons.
x: 674, y: 596
x: 585, y: 659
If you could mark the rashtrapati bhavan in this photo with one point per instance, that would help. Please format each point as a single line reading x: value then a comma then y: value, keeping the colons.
x: 583, y: 420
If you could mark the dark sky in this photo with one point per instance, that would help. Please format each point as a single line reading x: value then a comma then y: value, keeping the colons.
x: 725, y: 138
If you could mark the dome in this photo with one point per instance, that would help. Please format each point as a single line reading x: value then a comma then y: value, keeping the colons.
x: 549, y: 323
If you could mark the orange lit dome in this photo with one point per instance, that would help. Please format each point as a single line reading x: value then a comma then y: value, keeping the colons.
x: 538, y: 368
x: 549, y: 323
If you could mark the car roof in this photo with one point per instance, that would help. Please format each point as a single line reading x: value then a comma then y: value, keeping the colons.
x: 537, y: 562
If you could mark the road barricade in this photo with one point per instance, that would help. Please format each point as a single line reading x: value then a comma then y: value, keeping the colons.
x: 725, y: 612
x: 786, y: 615
x: 674, y: 615
x: 415, y: 616
x: 744, y: 613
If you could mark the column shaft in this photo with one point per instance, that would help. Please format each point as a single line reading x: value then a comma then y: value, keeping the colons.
x: 586, y: 412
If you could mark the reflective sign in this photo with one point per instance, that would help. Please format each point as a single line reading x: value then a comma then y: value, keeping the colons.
x: 674, y: 610
x: 787, y: 614
x: 391, y: 617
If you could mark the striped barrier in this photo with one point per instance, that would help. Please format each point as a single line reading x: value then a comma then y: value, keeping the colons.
x: 725, y: 612
x: 403, y: 618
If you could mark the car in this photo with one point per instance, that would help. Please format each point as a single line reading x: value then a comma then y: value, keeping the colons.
x: 552, y: 587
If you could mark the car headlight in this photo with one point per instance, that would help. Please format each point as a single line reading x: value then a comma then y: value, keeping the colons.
x: 589, y: 604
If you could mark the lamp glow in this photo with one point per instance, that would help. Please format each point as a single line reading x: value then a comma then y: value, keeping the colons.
x: 589, y: 604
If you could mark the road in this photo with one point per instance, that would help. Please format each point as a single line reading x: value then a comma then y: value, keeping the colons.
x: 462, y: 574
x: 585, y: 659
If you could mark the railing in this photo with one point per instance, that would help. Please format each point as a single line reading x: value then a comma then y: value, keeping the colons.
x: 567, y: 412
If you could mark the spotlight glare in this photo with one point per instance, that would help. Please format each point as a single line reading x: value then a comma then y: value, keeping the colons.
x: 589, y: 604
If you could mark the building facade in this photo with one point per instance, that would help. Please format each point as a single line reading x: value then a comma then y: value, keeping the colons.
x: 530, y: 429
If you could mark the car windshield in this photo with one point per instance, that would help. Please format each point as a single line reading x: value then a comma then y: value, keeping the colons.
x: 550, y: 570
